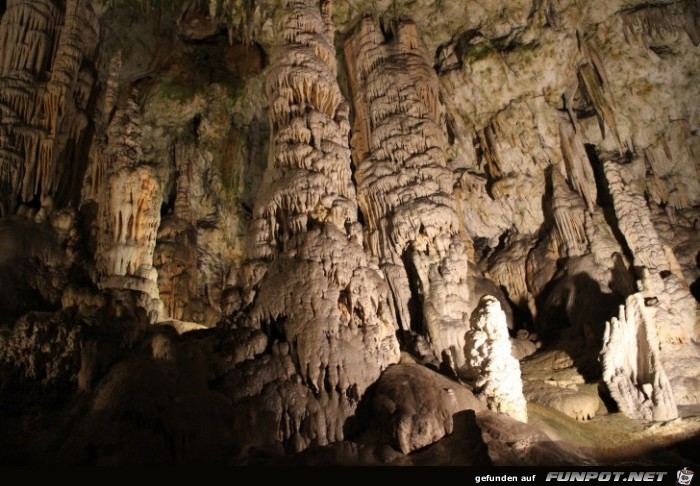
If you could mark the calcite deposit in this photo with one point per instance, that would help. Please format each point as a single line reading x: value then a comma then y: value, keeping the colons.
x: 345, y: 232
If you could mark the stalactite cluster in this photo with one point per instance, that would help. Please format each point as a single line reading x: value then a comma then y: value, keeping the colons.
x: 46, y: 81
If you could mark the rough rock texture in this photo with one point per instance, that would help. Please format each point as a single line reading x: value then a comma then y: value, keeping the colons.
x: 490, y: 360
x: 316, y: 294
x: 412, y: 406
x: 405, y: 186
x: 208, y: 256
x: 46, y: 80
x: 513, y: 443
x: 675, y: 312
x: 632, y: 367
x: 550, y: 378
x: 129, y: 211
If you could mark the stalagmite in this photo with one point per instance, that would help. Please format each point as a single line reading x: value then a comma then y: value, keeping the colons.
x: 632, y: 366
x: 675, y: 311
x: 404, y: 185
x: 316, y: 293
x: 490, y: 360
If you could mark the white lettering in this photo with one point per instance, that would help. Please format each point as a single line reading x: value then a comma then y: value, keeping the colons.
x: 636, y: 476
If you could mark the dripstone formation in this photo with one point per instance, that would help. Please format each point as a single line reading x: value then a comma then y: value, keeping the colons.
x: 313, y: 232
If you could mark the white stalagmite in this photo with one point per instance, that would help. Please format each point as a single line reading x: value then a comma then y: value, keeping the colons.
x: 490, y: 360
x: 404, y: 184
x: 632, y: 367
x: 675, y: 309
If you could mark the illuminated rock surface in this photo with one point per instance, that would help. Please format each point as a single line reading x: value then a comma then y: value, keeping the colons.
x: 315, y: 232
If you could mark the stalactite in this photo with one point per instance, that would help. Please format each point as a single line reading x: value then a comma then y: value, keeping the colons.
x: 44, y: 84
x: 508, y: 268
x: 569, y: 216
x: 650, y: 21
x: 578, y: 168
x: 404, y: 185
x: 600, y: 98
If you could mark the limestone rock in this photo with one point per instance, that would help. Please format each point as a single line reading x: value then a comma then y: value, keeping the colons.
x: 632, y: 366
x: 551, y: 378
x: 45, y: 347
x: 512, y: 443
x: 318, y: 296
x: 675, y: 314
x: 404, y: 184
x: 46, y: 82
x: 490, y: 360
x: 208, y: 255
x: 414, y: 407
x: 129, y: 213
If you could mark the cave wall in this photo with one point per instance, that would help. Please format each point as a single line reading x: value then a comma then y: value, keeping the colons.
x: 313, y: 191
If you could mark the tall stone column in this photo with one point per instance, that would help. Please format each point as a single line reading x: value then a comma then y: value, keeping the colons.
x: 405, y: 186
x: 314, y: 291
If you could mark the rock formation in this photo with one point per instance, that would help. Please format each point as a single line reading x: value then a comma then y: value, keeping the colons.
x: 490, y: 360
x: 675, y: 311
x: 414, y: 407
x: 632, y: 367
x: 405, y: 186
x: 230, y: 236
x: 46, y: 81
x: 317, y: 297
x: 129, y: 213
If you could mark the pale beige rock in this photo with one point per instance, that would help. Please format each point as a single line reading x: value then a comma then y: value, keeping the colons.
x: 129, y: 213
x: 414, y: 407
x: 551, y: 378
x: 569, y: 215
x: 314, y: 290
x: 404, y: 184
x: 675, y: 313
x: 511, y: 443
x: 632, y: 365
x: 508, y: 268
x: 490, y: 361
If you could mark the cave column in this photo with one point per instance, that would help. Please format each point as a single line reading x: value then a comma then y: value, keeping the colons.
x: 405, y: 188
